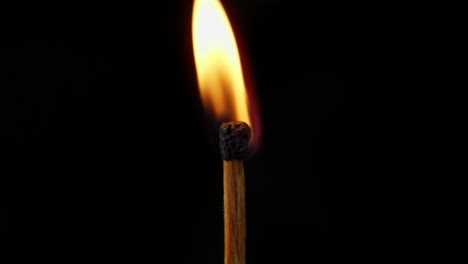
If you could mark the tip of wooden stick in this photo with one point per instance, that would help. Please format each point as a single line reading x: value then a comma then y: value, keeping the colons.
x: 234, y: 140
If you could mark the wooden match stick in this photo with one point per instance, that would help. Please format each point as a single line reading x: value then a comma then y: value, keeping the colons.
x: 234, y: 140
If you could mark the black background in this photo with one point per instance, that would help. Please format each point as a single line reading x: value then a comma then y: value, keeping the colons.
x: 108, y: 156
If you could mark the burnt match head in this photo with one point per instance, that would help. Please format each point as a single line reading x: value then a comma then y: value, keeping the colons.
x: 234, y: 139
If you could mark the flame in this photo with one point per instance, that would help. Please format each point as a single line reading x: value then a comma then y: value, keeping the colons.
x: 218, y: 64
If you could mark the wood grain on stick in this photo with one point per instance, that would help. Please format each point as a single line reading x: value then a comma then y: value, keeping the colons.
x: 234, y: 212
x: 233, y: 140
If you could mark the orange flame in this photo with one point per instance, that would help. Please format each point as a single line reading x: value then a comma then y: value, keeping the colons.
x: 218, y: 64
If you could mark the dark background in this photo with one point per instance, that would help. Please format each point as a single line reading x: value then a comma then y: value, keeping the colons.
x: 108, y: 156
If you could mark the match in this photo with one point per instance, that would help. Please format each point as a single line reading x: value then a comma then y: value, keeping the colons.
x: 234, y: 140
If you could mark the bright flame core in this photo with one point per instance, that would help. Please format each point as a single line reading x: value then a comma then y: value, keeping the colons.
x: 218, y: 65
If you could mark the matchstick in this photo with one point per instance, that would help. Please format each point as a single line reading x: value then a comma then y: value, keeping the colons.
x: 234, y: 140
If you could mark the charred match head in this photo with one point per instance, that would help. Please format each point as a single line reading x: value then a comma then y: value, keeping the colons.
x: 234, y: 139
